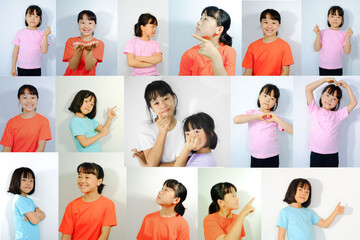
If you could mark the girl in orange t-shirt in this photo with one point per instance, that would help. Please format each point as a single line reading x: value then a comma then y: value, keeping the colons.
x: 28, y: 131
x: 214, y: 56
x: 221, y: 222
x: 84, y: 52
x: 167, y: 223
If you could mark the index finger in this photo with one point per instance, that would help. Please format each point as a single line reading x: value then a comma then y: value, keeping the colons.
x: 199, y: 38
x: 250, y: 202
x: 113, y: 108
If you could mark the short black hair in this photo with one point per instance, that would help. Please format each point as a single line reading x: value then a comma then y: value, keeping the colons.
x: 79, y: 100
x: 91, y: 15
x: 31, y: 9
x: 32, y: 90
x: 180, y: 192
x: 144, y: 19
x: 218, y: 191
x: 292, y: 189
x: 95, y: 169
x: 332, y: 90
x: 15, y: 182
x: 275, y: 15
x: 268, y: 88
x: 333, y: 11
x: 203, y: 121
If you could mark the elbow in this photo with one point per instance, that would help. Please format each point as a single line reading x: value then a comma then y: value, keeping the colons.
x: 152, y: 164
x: 235, y: 120
x: 44, y: 51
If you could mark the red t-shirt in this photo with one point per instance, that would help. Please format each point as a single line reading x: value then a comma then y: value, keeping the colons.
x: 98, y: 53
x: 216, y: 225
x: 84, y: 220
x: 194, y: 64
x: 23, y: 135
x: 267, y: 59
x: 156, y: 227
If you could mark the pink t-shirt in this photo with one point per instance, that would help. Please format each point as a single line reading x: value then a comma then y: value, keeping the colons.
x: 263, y: 138
x: 324, y: 128
x: 29, y: 42
x: 332, y: 49
x: 142, y: 48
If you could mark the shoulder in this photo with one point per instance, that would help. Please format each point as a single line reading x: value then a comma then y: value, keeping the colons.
x: 227, y: 49
x: 146, y: 125
x: 282, y: 42
x: 256, y: 43
x: 214, y: 217
x: 73, y: 39
x: 151, y: 216
x: 192, y: 50
x: 106, y: 201
x: 76, y: 202
x: 41, y: 117
x: 101, y: 43
x: 14, y: 119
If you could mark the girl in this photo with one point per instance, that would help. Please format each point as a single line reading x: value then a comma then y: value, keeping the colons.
x: 27, y: 215
x: 160, y: 140
x: 84, y: 52
x: 332, y: 43
x: 143, y: 53
x: 263, y: 139
x: 296, y: 219
x: 92, y: 215
x: 214, y: 56
x: 167, y: 223
x: 269, y: 55
x: 29, y: 131
x: 221, y: 223
x: 325, y: 121
x: 200, y: 136
x: 29, y: 44
x: 83, y: 125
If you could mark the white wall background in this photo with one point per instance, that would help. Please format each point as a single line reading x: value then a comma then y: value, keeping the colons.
x: 13, y: 13
x: 128, y: 14
x: 248, y: 184
x: 10, y: 106
x: 184, y: 16
x: 45, y: 168
x: 114, y: 180
x: 315, y: 12
x: 109, y: 93
x: 195, y: 94
x: 348, y: 137
x: 290, y: 29
x: 106, y: 31
x: 143, y: 185
x: 244, y: 95
x: 327, y: 192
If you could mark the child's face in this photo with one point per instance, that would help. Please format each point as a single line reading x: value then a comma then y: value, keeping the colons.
x: 231, y: 200
x: 28, y: 102
x: 88, y: 183
x: 199, y: 133
x: 88, y: 105
x: 207, y: 27
x: 269, y: 26
x: 26, y: 184
x: 149, y: 29
x: 86, y: 26
x: 335, y: 20
x: 32, y: 19
x: 166, y: 196
x: 267, y: 101
x: 329, y: 101
x: 302, y: 194
x: 163, y: 106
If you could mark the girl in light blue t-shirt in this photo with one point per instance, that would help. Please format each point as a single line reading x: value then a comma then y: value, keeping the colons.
x: 297, y: 219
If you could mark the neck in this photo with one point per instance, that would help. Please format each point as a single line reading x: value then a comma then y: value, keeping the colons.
x: 168, y: 211
x: 264, y: 110
x: 91, y: 196
x: 334, y: 28
x: 225, y: 212
x: 295, y: 205
x: 80, y: 115
x: 215, y: 41
x: 86, y: 38
x: 145, y: 37
x: 269, y: 39
x: 172, y: 124
x: 26, y: 114
x: 23, y: 194
x: 31, y: 28
x: 204, y: 150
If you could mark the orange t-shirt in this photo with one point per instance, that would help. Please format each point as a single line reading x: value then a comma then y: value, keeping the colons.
x: 156, y: 227
x: 267, y: 59
x: 84, y: 220
x: 216, y: 225
x: 23, y: 135
x: 98, y: 53
x: 194, y: 64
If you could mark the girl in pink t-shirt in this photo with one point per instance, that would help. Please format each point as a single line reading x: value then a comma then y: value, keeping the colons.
x: 332, y: 43
x: 263, y: 139
x: 325, y: 121
x: 143, y: 53
x: 30, y: 43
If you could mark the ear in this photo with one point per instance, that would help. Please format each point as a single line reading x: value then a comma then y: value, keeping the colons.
x: 100, y: 181
x: 219, y: 30
x: 142, y: 27
x: 220, y: 203
x: 176, y: 200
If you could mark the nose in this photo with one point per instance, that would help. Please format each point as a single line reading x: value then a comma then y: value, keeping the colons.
x: 198, y: 23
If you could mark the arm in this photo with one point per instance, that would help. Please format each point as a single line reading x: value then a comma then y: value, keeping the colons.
x: 317, y: 44
x: 154, y: 59
x: 105, y: 232
x: 281, y: 233
x: 285, y: 71
x: 325, y: 223
x: 133, y: 62
x: 248, y: 72
x: 283, y: 124
x: 75, y: 60
x: 90, y: 61
x: 66, y: 237
x: 14, y: 60
x: 312, y: 86
x: 45, y: 45
x: 141, y: 158
x: 84, y: 141
x: 352, y: 98
x: 35, y: 217
x: 218, y: 65
x: 239, y: 119
x: 154, y: 154
x: 347, y: 47
x: 111, y: 114
x: 6, y: 149
x: 192, y: 142
x: 41, y: 146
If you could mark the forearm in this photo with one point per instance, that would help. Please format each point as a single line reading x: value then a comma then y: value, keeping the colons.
x: 285, y: 71
x: 325, y: 223
x: 286, y: 126
x: 75, y: 60
x: 239, y: 119
x: 281, y: 233
x: 139, y: 64
x: 44, y: 45
x: 235, y: 231
x: 15, y: 56
x: 347, y: 47
x: 248, y: 72
x: 41, y: 146
x: 218, y: 66
x: 105, y: 232
x: 317, y: 44
x: 108, y: 123
x: 311, y: 87
x: 40, y: 214
x: 84, y: 141
x: 90, y: 61
x: 66, y: 237
x: 181, y: 160
x: 6, y: 149
x: 155, y: 59
x: 352, y: 99
x: 153, y: 155
x: 167, y: 164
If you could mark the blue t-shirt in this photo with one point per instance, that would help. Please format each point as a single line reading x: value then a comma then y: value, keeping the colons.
x: 85, y: 126
x: 298, y: 222
x: 24, y: 230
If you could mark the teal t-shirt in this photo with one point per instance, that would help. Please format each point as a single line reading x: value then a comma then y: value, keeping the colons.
x: 298, y: 222
x: 85, y: 126
x: 24, y: 230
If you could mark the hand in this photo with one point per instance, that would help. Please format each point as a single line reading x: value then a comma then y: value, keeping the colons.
x: 111, y: 113
x: 339, y: 209
x: 91, y: 45
x: 78, y: 46
x: 207, y: 49
x: 248, y: 208
x: 262, y: 116
x: 316, y: 30
x: 47, y: 31
x: 26, y: 219
x: 271, y: 117
x: 13, y: 72
x: 104, y: 131
x: 163, y: 124
x: 157, y: 54
x: 192, y: 143
x: 343, y: 84
x: 140, y: 157
x: 349, y: 32
x: 331, y: 80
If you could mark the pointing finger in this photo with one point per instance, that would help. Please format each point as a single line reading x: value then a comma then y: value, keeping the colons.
x: 199, y: 38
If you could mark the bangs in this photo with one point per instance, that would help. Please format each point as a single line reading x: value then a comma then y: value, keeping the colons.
x: 274, y: 15
x: 193, y: 121
x: 153, y: 21
x: 270, y: 89
x: 304, y: 185
x: 87, y: 168
x: 336, y: 9
x: 211, y: 11
x: 89, y: 14
x: 173, y: 184
x: 90, y: 94
x: 33, y: 8
x: 152, y: 95
x: 332, y: 90
x: 227, y: 188
x: 27, y: 173
x: 32, y: 90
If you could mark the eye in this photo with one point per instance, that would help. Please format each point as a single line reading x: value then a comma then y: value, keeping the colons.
x: 187, y: 134
x: 196, y: 131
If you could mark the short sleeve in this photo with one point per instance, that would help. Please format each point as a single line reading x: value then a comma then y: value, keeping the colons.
x: 248, y: 61
x: 94, y: 123
x: 342, y: 113
x: 184, y: 233
x: 312, y: 106
x: 287, y: 58
x: 76, y: 127
x: 157, y: 47
x: 16, y: 40
x: 185, y: 65
x: 7, y: 139
x: 230, y: 61
x: 110, y: 215
x: 278, y: 125
x: 283, y: 220
x: 146, y: 139
x: 45, y: 133
x: 141, y: 234
x: 24, y: 206
x: 129, y: 48
x: 314, y: 218
x: 98, y: 52
x: 69, y: 50
x: 212, y: 229
x: 67, y: 223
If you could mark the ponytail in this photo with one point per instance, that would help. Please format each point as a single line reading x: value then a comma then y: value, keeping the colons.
x: 214, y: 207
x: 144, y: 19
x: 180, y: 192
x: 218, y: 191
x: 226, y: 39
x: 137, y: 30
x: 180, y: 209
